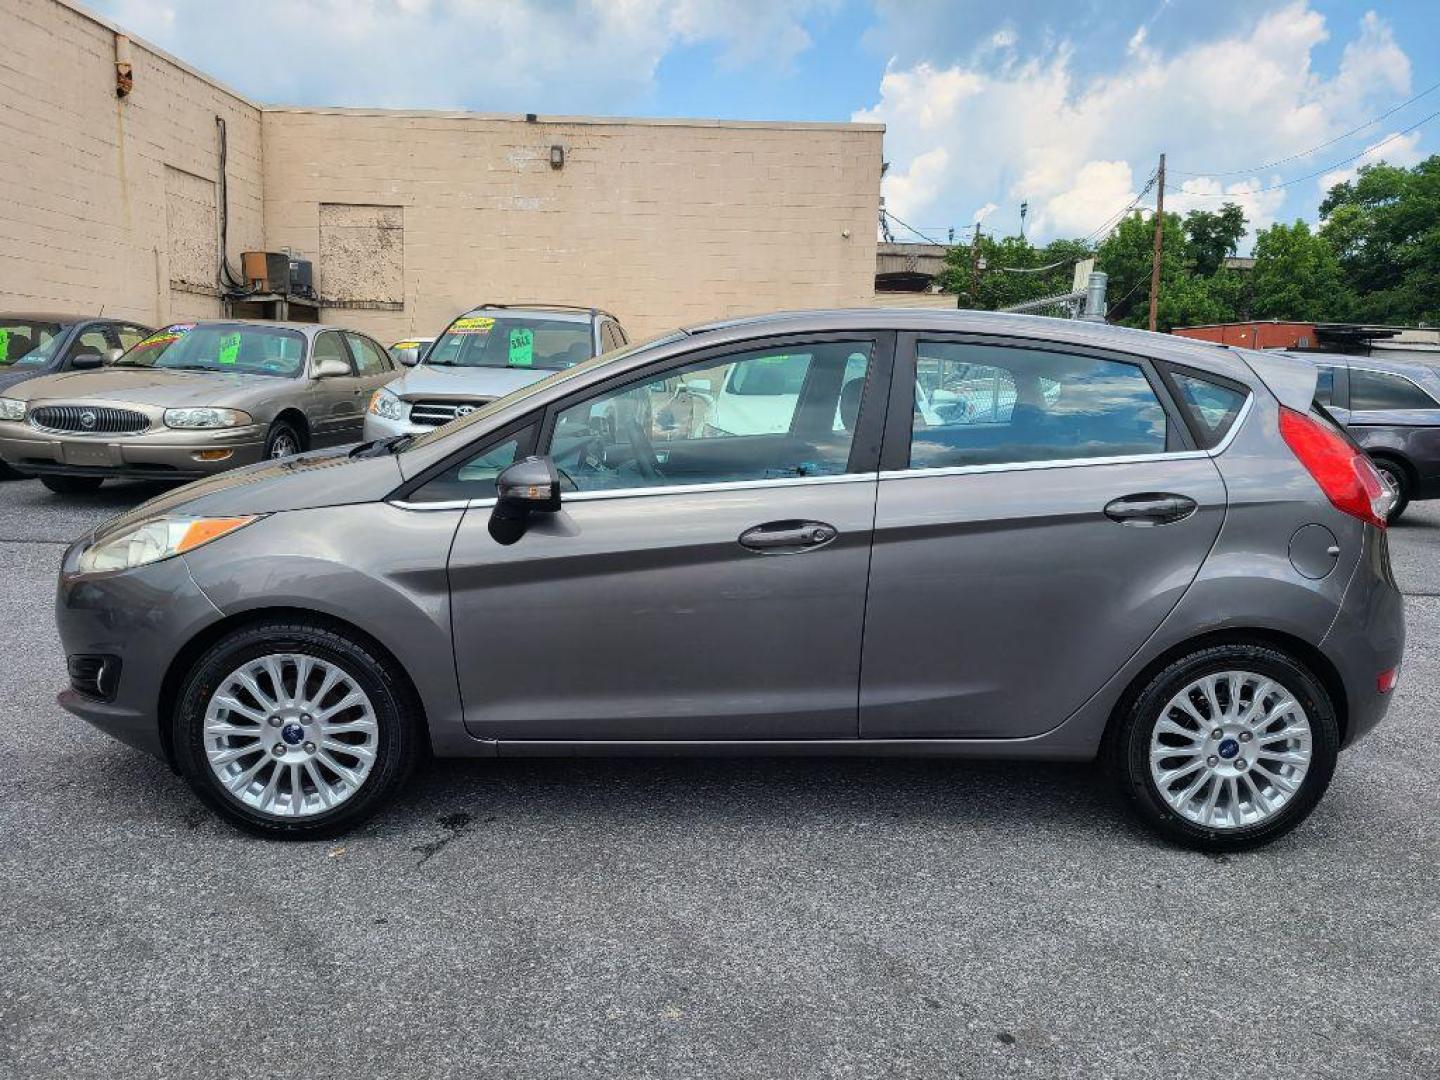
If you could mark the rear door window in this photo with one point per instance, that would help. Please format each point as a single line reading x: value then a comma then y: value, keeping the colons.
x: 1377, y: 390
x: 369, y: 357
x: 997, y: 405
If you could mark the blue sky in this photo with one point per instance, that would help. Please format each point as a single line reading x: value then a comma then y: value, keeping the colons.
x: 1065, y: 106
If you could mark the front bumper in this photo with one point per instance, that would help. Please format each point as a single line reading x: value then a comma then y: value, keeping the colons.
x: 158, y: 455
x: 140, y: 617
x: 378, y: 427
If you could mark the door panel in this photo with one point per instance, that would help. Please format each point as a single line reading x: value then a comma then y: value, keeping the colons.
x: 1000, y: 601
x: 334, y: 405
x: 643, y: 617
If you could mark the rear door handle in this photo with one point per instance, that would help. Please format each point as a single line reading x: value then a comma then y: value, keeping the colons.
x: 788, y: 537
x: 1150, y: 508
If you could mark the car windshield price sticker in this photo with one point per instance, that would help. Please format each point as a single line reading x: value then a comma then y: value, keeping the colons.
x: 522, y: 347
x: 473, y: 324
x: 229, y: 348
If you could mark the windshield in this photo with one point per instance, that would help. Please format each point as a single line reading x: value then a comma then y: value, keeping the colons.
x: 27, y: 344
x: 515, y: 341
x: 479, y: 415
x: 248, y: 350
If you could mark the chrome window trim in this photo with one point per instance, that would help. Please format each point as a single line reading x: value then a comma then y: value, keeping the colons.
x: 1071, y: 463
x: 1404, y: 378
x: 854, y: 478
x: 649, y: 492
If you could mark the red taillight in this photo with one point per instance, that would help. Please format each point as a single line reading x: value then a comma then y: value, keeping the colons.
x: 1344, y: 473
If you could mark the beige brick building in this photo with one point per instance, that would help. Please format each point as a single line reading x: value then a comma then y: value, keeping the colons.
x: 408, y: 217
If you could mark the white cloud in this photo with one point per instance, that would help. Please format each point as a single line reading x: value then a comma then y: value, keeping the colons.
x: 1397, y: 150
x: 1079, y: 149
x: 983, y: 212
x: 486, y: 55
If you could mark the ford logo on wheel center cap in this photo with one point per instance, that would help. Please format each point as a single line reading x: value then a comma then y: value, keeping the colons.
x: 293, y: 733
x: 1228, y: 748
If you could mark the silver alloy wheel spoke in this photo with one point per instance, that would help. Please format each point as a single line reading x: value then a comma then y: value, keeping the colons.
x: 1230, y: 750
x: 291, y: 735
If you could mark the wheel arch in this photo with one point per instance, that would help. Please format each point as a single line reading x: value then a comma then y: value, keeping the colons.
x: 297, y: 420
x: 186, y: 656
x: 1301, y: 650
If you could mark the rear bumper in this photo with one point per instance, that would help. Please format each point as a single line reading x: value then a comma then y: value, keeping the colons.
x: 1367, y: 636
x: 160, y: 455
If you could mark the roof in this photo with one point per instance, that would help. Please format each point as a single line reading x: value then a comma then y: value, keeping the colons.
x: 50, y: 316
x: 309, y: 328
x: 559, y: 312
x: 965, y: 320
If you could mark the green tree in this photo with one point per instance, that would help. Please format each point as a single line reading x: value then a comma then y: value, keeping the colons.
x: 1297, y: 276
x: 1126, y: 256
x: 1384, y: 227
x: 1211, y: 236
x: 1014, y: 270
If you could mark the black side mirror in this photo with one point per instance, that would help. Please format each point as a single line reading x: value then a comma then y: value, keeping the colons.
x: 86, y: 361
x: 530, y: 486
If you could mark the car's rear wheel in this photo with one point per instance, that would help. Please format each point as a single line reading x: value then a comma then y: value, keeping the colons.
x: 1226, y: 748
x: 294, y: 730
x: 282, y: 441
x: 1399, y: 481
x: 72, y: 485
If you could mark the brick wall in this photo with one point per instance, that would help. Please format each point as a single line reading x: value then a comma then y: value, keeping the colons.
x: 114, y: 203
x: 663, y: 223
x: 84, y: 193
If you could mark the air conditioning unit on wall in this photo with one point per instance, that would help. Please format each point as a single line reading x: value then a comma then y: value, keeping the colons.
x: 278, y: 272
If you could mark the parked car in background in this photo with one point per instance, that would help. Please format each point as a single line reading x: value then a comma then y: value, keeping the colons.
x: 194, y: 399
x: 483, y: 355
x: 34, y: 344
x: 567, y: 572
x: 409, y: 351
x: 1392, y: 409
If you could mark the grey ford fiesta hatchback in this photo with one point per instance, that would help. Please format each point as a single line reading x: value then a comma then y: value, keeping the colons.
x: 836, y: 532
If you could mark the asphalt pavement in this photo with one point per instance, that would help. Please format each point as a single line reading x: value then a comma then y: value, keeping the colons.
x: 709, y: 918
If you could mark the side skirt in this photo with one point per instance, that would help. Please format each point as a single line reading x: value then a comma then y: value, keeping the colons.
x: 1038, y: 748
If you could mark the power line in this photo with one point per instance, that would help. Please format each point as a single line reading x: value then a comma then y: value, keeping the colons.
x: 917, y: 232
x: 1319, y: 146
x: 1114, y: 219
x: 1317, y: 172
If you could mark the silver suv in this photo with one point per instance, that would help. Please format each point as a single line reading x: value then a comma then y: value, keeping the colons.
x: 1089, y: 542
x: 484, y: 354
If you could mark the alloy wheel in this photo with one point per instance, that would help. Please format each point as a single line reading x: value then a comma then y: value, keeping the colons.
x: 1230, y: 750
x: 290, y: 735
x: 284, y: 446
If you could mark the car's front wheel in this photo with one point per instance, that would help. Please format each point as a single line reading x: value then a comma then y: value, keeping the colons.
x: 1226, y: 748
x: 294, y: 730
x: 282, y: 441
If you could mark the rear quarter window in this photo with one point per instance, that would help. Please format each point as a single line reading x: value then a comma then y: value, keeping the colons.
x: 1211, y: 407
x: 1377, y: 390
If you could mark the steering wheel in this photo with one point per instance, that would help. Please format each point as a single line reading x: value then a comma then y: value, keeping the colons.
x: 646, y: 462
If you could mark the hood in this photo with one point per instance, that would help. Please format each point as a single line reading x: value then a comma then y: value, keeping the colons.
x: 435, y: 380
x: 9, y: 376
x: 149, y: 386
x: 307, y: 481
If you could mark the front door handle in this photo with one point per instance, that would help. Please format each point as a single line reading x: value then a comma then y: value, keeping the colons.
x: 1150, y: 508
x: 788, y: 537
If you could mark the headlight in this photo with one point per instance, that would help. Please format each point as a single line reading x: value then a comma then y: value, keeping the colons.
x: 157, y: 539
x: 12, y: 408
x: 205, y: 418
x: 384, y: 404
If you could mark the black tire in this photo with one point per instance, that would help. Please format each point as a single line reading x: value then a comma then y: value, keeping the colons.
x: 7, y: 473
x: 396, y: 713
x: 282, y: 433
x: 1127, y: 749
x: 72, y: 485
x: 1397, y: 475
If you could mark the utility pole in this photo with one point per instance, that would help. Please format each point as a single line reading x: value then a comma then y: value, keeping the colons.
x: 1024, y: 209
x: 976, y: 265
x: 1159, y: 240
